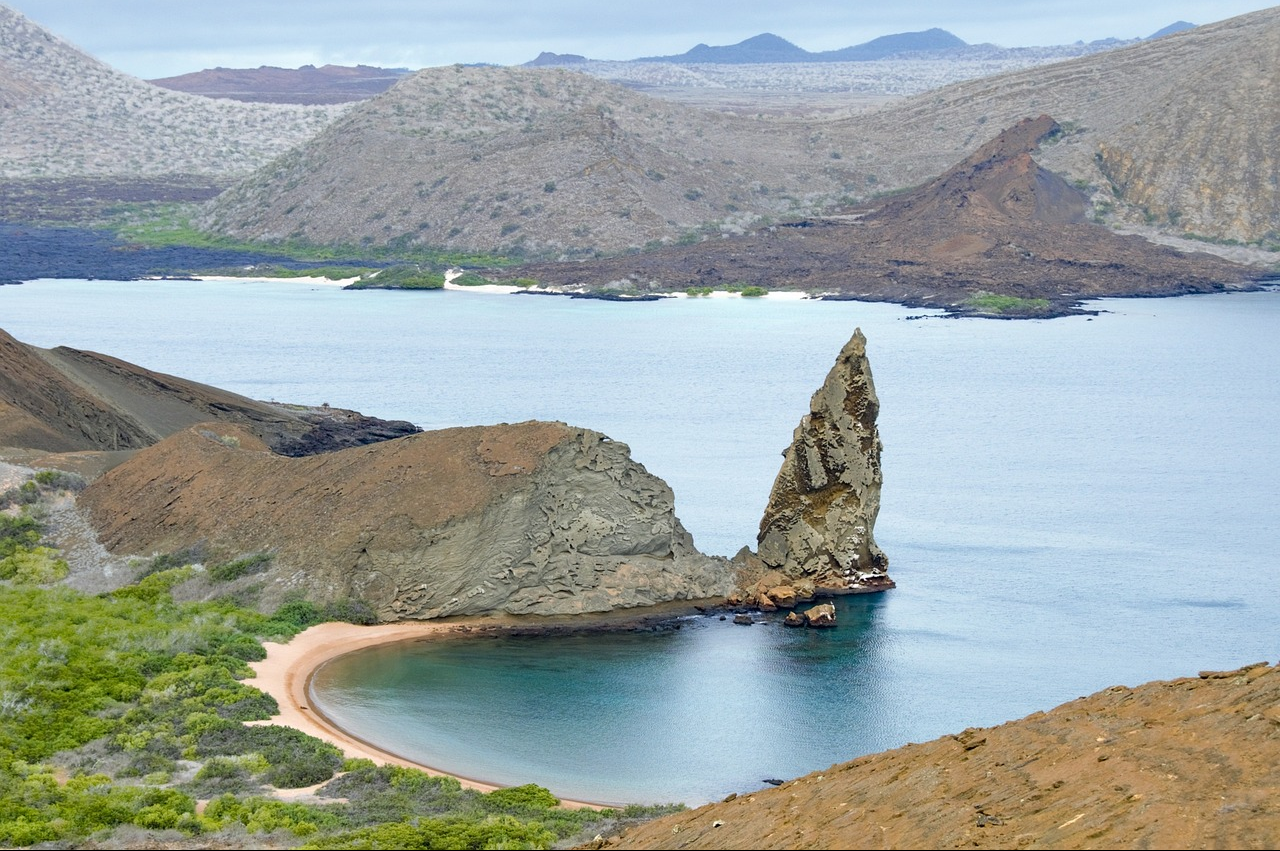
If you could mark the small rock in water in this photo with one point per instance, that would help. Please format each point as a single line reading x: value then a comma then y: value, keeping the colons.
x: 772, y: 781
x: 743, y: 619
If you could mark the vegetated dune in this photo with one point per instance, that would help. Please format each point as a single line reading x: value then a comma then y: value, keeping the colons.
x: 1189, y: 763
x: 553, y: 161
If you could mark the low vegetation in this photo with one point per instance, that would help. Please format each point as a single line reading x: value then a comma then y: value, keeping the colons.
x: 984, y: 302
x: 399, y: 278
x: 120, y: 712
x: 169, y: 224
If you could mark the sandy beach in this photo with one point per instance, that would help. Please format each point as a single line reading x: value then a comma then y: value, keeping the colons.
x: 286, y: 673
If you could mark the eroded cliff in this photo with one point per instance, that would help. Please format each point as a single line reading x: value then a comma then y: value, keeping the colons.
x: 534, y: 518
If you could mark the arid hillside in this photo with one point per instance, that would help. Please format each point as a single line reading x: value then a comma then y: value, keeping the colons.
x: 1190, y: 763
x: 560, y: 163
x: 1178, y: 132
x: 65, y: 114
x: 548, y: 159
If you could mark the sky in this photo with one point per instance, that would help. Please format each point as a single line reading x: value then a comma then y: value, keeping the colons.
x: 159, y: 38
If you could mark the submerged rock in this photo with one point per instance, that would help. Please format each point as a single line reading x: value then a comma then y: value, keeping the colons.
x: 817, y: 528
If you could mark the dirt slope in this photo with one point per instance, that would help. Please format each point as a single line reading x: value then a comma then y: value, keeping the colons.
x: 1191, y: 763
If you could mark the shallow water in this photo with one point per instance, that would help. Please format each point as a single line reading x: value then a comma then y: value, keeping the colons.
x: 1068, y: 504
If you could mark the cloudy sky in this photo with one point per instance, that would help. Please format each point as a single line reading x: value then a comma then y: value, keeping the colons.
x: 157, y: 38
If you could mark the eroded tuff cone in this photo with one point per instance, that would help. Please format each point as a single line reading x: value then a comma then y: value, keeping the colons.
x: 822, y: 510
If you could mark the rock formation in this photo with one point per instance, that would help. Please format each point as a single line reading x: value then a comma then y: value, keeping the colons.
x: 817, y: 528
x: 534, y: 518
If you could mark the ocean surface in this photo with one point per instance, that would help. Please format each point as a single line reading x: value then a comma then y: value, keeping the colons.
x: 1069, y: 504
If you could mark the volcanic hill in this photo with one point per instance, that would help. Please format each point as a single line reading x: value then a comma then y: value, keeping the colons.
x: 1175, y: 131
x: 996, y: 223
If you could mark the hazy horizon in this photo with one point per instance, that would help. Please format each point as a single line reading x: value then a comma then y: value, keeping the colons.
x: 157, y: 38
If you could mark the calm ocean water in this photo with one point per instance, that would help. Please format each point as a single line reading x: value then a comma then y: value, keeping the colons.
x: 1068, y: 504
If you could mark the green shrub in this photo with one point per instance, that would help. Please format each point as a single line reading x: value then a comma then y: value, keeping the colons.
x: 18, y: 533
x: 754, y: 292
x: 985, y: 302
x: 519, y: 798
x: 471, y: 279
x: 36, y: 566
x: 194, y: 554
x: 247, y: 566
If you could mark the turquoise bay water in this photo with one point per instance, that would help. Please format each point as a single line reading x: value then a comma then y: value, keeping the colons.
x: 1068, y: 504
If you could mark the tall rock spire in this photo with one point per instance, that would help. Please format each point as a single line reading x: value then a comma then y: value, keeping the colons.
x: 822, y: 509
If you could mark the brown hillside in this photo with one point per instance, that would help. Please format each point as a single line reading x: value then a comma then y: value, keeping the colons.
x: 1191, y: 763
x: 1186, y: 126
x: 65, y: 400
x: 995, y: 223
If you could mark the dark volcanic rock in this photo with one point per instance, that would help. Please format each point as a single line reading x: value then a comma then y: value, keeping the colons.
x: 305, y: 85
x: 30, y: 252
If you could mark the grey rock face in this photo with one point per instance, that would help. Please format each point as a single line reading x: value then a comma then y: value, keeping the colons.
x: 590, y: 531
x: 822, y: 510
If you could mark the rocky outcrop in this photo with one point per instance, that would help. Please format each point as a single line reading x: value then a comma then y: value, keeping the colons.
x: 817, y: 527
x: 534, y: 518
x: 1189, y: 763
x: 67, y: 400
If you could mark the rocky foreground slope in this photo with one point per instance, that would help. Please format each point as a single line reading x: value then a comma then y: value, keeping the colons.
x: 1190, y: 763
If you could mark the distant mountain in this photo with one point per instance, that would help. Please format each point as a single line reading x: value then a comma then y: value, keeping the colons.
x: 769, y: 48
x: 546, y: 58
x: 1175, y: 27
x: 305, y: 85
x: 888, y: 46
